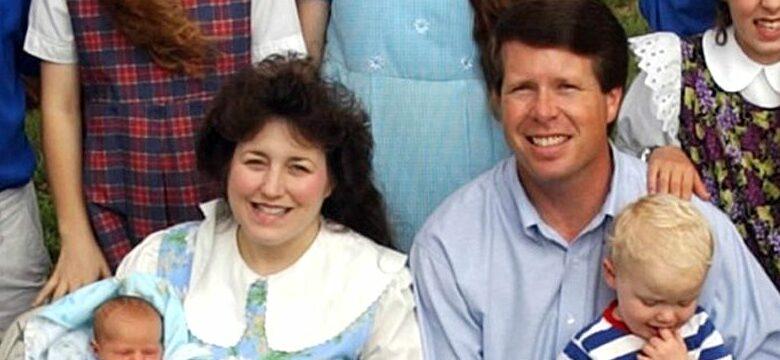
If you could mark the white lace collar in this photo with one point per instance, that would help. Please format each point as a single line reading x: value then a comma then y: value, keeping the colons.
x: 734, y: 71
x: 338, y: 278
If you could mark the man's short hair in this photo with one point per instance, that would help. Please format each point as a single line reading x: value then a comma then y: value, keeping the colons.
x: 584, y: 27
x: 661, y: 232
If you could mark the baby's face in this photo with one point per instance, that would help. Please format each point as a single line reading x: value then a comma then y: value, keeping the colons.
x: 646, y: 310
x: 130, y: 339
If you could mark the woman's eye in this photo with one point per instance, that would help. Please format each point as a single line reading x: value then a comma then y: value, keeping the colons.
x: 254, y: 162
x: 299, y: 169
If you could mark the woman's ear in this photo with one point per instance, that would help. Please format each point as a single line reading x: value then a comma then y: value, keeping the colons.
x: 609, y: 272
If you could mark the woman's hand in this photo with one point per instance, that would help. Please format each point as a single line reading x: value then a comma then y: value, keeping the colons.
x: 670, y: 171
x: 80, y: 263
x: 668, y: 345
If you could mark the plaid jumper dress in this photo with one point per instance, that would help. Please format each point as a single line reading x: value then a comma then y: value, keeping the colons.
x: 139, y: 122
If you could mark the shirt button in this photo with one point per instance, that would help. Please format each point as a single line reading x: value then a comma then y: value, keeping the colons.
x: 376, y: 63
x: 570, y: 320
x: 466, y: 62
x: 421, y: 26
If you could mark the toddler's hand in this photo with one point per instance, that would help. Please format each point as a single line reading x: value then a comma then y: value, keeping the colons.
x: 668, y: 345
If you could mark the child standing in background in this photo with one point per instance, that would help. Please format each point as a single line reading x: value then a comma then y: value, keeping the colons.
x: 25, y: 261
x: 125, y: 85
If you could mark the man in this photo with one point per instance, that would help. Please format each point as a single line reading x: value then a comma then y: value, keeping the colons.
x: 25, y: 262
x: 508, y: 267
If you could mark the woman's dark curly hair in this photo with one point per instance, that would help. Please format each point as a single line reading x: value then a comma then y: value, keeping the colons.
x: 324, y: 114
x: 722, y: 21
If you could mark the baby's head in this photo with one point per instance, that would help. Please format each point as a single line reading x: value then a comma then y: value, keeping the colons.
x: 127, y: 327
x: 659, y: 253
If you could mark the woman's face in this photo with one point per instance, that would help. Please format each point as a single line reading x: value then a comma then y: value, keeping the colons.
x: 757, y: 26
x: 276, y: 187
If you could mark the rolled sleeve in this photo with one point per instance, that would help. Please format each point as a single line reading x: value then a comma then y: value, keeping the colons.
x: 50, y: 33
x: 275, y: 28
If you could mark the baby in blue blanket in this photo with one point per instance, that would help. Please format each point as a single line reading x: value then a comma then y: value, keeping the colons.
x: 127, y: 327
x: 113, y: 319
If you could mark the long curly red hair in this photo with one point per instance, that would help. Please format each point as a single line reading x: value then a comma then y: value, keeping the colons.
x: 162, y: 28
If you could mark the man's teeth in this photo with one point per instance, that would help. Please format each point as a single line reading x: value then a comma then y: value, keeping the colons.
x: 547, y: 140
x: 769, y: 24
x: 271, y: 210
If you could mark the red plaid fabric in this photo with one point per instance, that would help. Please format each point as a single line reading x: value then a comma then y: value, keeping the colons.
x: 140, y: 122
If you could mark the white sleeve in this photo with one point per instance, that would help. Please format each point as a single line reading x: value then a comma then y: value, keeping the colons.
x: 143, y: 258
x: 650, y: 112
x: 396, y: 334
x: 275, y: 28
x: 50, y: 33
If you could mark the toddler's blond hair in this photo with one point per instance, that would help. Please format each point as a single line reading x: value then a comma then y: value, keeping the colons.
x: 661, y: 233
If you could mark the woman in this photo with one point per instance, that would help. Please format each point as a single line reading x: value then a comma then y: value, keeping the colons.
x: 715, y: 98
x: 293, y: 261
x: 416, y: 68
x: 124, y: 85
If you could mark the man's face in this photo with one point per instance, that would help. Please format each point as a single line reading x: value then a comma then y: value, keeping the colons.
x: 554, y: 113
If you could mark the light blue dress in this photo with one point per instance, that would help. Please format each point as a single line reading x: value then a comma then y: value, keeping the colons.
x: 415, y: 67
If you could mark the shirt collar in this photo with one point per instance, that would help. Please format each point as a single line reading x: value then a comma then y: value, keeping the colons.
x: 529, y: 216
x: 734, y: 71
x: 308, y: 303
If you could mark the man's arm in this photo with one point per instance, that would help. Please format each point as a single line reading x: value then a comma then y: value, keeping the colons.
x: 738, y: 295
x: 448, y: 329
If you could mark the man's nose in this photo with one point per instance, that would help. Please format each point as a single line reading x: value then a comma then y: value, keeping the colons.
x: 545, y: 106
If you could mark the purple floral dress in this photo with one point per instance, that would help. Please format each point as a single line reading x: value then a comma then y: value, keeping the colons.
x: 735, y: 145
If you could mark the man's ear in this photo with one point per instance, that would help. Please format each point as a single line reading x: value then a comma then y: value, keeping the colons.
x: 613, y: 98
x: 495, y: 104
x: 609, y: 273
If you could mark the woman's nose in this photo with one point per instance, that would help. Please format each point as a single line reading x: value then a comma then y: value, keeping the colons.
x: 273, y: 183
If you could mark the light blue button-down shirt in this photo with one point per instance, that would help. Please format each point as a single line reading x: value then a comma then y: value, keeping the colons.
x: 494, y: 281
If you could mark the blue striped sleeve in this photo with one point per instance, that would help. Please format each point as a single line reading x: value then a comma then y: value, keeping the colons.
x: 574, y: 352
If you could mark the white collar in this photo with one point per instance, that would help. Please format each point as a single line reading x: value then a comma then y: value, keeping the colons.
x: 333, y: 283
x: 734, y: 71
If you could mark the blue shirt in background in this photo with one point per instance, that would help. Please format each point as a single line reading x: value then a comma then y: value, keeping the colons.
x: 683, y: 17
x: 17, y: 161
x: 494, y: 281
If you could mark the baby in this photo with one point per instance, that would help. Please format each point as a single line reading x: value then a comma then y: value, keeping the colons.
x: 127, y: 327
x: 659, y: 253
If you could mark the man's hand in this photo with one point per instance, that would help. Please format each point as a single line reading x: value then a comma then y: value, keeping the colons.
x: 669, y: 171
x: 79, y: 264
x: 668, y: 345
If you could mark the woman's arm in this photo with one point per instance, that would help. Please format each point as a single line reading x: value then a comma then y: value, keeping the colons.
x: 314, y: 20
x: 81, y: 261
x: 641, y: 130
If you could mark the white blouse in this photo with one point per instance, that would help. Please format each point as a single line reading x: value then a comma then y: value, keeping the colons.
x: 274, y: 25
x: 335, y: 281
x: 650, y: 113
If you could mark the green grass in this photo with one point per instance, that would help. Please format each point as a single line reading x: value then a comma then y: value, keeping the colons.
x: 626, y: 11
